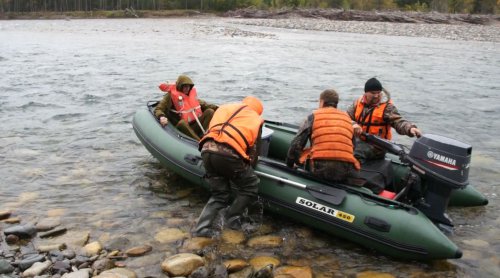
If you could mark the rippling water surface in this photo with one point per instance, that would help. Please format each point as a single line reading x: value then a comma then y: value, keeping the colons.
x: 69, y: 89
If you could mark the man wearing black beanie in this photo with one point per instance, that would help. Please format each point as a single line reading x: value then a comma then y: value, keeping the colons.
x: 375, y: 113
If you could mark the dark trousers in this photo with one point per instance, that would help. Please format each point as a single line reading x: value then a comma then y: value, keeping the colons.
x: 366, y: 152
x: 193, y: 129
x: 225, y: 174
x: 333, y: 170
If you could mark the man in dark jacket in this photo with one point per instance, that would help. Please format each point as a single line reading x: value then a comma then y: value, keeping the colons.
x: 229, y: 151
x: 165, y: 111
x: 375, y: 113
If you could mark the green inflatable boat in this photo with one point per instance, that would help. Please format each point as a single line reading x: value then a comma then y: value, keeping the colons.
x: 405, y: 218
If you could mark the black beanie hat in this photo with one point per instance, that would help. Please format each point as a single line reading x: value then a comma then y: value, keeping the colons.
x: 373, y: 85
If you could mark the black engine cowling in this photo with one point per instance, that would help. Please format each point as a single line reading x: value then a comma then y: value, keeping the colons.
x: 443, y: 165
x: 442, y: 158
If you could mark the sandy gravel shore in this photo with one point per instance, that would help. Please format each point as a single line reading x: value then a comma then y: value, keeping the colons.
x: 466, y: 32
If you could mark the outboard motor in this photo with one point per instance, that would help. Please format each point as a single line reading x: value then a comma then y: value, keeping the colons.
x: 443, y: 165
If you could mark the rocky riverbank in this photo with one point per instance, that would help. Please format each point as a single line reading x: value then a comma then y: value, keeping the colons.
x: 431, y: 25
x: 46, y: 249
x: 370, y: 16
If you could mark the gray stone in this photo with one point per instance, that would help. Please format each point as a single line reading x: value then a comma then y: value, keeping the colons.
x: 53, y: 233
x: 22, y: 231
x: 48, y: 223
x: 120, y: 243
x: 70, y: 254
x: 29, y: 260
x: 5, y: 267
x: 200, y: 272
x: 61, y: 265
x: 102, y: 264
x: 220, y: 271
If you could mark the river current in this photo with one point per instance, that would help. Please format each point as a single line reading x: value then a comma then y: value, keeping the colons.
x: 69, y: 89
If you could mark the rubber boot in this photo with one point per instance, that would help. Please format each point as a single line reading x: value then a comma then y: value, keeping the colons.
x: 236, y: 210
x: 207, y: 216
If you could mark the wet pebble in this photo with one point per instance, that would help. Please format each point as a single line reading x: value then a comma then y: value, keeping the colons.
x: 12, y: 239
x: 13, y: 220
x: 220, y: 271
x: 53, y: 233
x: 119, y: 243
x: 246, y: 272
x: 91, y: 249
x: 170, y: 235
x: 267, y: 241
x: 47, y: 248
x: 235, y: 265
x: 182, y: 264
x: 48, y: 224
x: 233, y: 236
x: 374, y: 274
x: 22, y: 231
x: 262, y: 261
x: 117, y: 273
x: 37, y: 268
x: 29, y: 260
x: 102, y: 264
x: 200, y: 272
x: 5, y: 267
x: 4, y: 214
x: 139, y: 250
x: 70, y: 254
x: 196, y: 243
x: 294, y: 271
x: 264, y: 272
x: 61, y: 267
x: 82, y: 273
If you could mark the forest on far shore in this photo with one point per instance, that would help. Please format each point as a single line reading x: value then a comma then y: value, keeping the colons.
x: 443, y: 6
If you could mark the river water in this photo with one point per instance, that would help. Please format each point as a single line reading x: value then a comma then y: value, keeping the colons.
x: 69, y: 89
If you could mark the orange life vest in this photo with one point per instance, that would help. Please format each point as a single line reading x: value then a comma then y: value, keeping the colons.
x: 184, y: 104
x: 331, y: 137
x: 236, y: 125
x: 373, y: 122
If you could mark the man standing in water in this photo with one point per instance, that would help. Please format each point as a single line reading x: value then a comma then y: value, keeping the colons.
x: 374, y: 113
x: 230, y: 151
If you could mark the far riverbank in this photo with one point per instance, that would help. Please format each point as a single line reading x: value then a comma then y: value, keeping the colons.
x: 330, y: 14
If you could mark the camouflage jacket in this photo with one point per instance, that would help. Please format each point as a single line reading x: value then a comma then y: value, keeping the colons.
x: 391, y: 115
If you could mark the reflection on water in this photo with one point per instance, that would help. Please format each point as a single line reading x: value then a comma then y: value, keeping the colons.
x: 68, y: 90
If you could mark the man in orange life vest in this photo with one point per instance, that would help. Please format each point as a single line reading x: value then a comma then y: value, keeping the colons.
x: 375, y: 113
x: 332, y: 142
x: 230, y: 151
x: 182, y: 108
